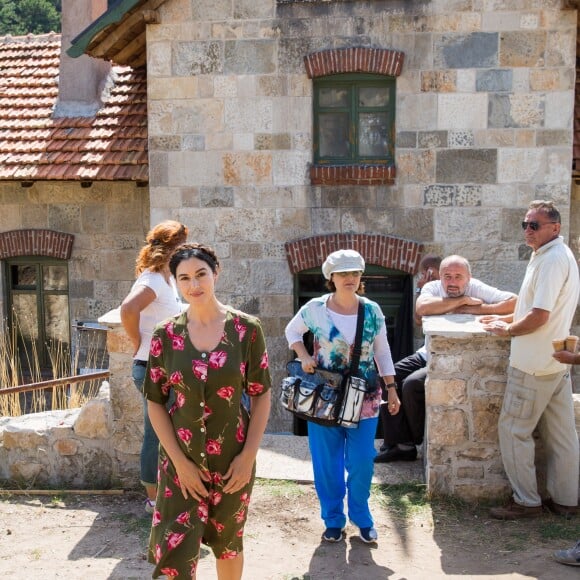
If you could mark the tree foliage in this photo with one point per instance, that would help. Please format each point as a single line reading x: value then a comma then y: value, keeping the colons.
x: 19, y: 17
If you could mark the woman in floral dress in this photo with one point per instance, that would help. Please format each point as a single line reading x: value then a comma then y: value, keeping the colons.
x: 209, y: 356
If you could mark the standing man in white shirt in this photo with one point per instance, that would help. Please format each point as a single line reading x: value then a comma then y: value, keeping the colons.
x: 539, y: 389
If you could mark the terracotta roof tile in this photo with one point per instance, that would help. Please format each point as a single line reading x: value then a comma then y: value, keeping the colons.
x: 110, y: 146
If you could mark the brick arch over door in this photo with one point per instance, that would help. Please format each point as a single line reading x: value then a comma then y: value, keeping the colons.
x: 47, y: 243
x: 379, y: 250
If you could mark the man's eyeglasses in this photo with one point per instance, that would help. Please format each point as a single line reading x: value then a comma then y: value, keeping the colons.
x: 534, y: 226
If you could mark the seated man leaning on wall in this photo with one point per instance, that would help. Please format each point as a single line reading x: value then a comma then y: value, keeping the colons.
x: 455, y: 293
x: 409, y: 372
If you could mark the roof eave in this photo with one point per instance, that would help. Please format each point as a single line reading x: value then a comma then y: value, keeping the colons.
x: 113, y: 15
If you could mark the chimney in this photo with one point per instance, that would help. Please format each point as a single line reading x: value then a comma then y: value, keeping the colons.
x: 82, y: 79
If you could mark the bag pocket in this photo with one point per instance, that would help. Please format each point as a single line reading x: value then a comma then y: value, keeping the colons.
x: 304, y: 397
x: 326, y: 402
x: 355, y: 389
x: 287, y: 388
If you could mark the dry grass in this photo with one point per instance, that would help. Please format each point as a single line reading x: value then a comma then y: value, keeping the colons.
x: 61, y: 397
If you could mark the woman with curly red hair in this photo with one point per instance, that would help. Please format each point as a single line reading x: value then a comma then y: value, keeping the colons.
x: 152, y: 299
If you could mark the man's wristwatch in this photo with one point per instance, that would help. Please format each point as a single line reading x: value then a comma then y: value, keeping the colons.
x: 391, y: 385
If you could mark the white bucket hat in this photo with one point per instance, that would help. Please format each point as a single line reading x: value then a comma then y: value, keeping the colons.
x: 343, y: 261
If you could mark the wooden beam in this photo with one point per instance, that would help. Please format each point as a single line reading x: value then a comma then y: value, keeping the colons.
x: 133, y: 47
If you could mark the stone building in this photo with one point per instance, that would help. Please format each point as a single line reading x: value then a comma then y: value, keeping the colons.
x: 279, y: 130
x: 74, y: 202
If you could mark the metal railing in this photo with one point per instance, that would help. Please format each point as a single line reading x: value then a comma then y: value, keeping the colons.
x: 64, y: 381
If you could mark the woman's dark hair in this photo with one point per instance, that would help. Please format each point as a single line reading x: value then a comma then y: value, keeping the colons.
x: 329, y: 284
x: 199, y: 251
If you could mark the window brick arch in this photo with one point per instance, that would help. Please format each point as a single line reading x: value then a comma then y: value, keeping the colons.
x: 357, y: 59
x: 48, y: 243
x: 376, y: 249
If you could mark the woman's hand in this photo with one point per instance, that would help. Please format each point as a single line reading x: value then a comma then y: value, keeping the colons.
x: 308, y: 364
x: 239, y: 473
x: 192, y: 480
x: 393, y: 402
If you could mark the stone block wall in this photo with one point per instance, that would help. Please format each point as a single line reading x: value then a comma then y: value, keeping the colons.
x: 108, y: 222
x: 483, y: 126
x: 467, y: 374
x: 60, y: 449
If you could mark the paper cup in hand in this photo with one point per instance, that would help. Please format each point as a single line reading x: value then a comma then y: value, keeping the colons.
x: 559, y: 344
x: 572, y: 343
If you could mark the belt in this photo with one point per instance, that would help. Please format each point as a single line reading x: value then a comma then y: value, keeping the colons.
x: 140, y: 363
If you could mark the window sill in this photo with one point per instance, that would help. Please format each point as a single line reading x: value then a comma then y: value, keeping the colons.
x: 352, y: 174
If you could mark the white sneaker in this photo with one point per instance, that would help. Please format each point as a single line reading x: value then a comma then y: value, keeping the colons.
x: 150, y: 506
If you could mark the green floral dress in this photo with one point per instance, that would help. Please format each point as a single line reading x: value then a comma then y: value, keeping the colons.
x: 210, y: 421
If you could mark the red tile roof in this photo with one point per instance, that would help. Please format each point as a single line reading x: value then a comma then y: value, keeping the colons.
x: 110, y: 146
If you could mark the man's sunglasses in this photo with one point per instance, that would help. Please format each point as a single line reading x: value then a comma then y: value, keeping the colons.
x: 534, y: 226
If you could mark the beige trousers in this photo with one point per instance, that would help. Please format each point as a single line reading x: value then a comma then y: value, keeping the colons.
x: 545, y: 402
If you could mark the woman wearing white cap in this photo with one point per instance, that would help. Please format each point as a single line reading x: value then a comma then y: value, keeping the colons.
x: 332, y: 320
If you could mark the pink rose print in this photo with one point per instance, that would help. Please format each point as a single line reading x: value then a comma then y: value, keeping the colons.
x: 239, y: 517
x: 217, y: 359
x: 185, y: 435
x: 180, y: 399
x: 226, y: 393
x: 202, y: 511
x: 206, y: 412
x: 156, y: 346
x: 175, y: 378
x: 240, y: 533
x: 183, y: 518
x: 213, y: 447
x: 174, y: 539
x: 193, y: 570
x: 158, y: 553
x: 264, y: 360
x: 199, y: 370
x: 240, y: 433
x: 169, y: 572
x: 176, y: 480
x: 243, y: 367
x: 254, y: 335
x: 217, y: 525
x: 156, y: 374
x: 240, y: 329
x: 167, y: 492
x: 169, y: 330
x: 177, y: 342
x: 165, y: 465
x: 245, y: 498
x: 156, y: 520
x: 216, y: 478
x: 165, y: 388
x: 255, y: 388
x: 228, y: 555
x: 215, y: 497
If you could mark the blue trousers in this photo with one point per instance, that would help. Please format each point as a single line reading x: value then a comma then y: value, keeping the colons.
x: 334, y: 449
x: 150, y: 445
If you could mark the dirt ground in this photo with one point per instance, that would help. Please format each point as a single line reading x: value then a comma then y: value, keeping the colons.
x: 95, y: 537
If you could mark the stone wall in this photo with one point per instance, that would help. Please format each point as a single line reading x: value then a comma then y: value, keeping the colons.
x: 464, y: 394
x: 108, y: 221
x: 483, y: 126
x: 60, y: 449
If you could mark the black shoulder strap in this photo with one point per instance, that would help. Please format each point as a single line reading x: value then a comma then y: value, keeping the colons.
x: 356, y: 348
